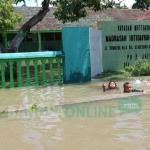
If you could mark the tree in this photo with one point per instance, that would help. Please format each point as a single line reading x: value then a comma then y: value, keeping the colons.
x: 97, y: 24
x: 72, y: 10
x: 8, y: 18
x: 141, y: 4
x: 114, y: 4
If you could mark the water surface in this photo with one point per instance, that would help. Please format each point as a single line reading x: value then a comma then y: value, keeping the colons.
x: 66, y: 128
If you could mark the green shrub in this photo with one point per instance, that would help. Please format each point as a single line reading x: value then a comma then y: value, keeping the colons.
x: 126, y: 73
x: 140, y: 68
x: 128, y: 68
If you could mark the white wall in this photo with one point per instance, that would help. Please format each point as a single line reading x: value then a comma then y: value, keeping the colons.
x: 95, y: 51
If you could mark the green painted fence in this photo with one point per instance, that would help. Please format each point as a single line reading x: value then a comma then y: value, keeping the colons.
x: 54, y: 57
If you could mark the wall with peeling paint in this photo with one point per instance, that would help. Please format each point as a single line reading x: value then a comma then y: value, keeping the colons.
x: 77, y: 65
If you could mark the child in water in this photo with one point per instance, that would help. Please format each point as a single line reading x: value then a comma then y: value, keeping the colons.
x: 111, y: 86
x: 128, y: 88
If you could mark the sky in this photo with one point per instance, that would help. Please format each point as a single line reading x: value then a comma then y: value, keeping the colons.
x: 129, y: 3
x: 32, y: 3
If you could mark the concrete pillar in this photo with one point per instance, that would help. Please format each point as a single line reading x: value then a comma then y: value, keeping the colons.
x: 76, y: 48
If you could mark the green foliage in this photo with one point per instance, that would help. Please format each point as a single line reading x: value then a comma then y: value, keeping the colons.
x: 114, y: 4
x: 18, y: 1
x: 35, y: 108
x: 3, y: 113
x: 8, y: 18
x: 73, y: 10
x: 128, y: 68
x: 140, y: 68
x: 141, y: 4
x: 127, y: 71
x: 96, y: 24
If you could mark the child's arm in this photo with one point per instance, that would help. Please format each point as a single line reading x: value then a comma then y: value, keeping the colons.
x: 121, y: 91
x: 104, y: 87
x: 143, y: 91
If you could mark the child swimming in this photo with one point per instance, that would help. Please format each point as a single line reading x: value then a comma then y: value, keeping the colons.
x: 128, y: 88
x: 111, y: 86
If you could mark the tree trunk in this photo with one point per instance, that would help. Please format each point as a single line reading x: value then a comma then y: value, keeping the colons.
x: 23, y: 31
x: 3, y: 49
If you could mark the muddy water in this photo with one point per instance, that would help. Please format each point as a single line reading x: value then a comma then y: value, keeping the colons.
x: 95, y: 125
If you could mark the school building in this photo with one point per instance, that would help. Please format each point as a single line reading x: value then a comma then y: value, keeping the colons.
x: 47, y: 34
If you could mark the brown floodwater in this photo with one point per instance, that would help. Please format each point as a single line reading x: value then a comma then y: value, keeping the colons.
x: 85, y: 126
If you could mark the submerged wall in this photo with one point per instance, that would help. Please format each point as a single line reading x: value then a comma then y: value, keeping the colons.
x: 124, y: 42
x: 77, y: 67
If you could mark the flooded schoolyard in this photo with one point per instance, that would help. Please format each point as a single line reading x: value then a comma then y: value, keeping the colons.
x: 78, y: 116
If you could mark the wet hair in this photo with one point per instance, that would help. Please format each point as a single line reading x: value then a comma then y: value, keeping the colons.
x: 125, y: 84
x: 109, y: 84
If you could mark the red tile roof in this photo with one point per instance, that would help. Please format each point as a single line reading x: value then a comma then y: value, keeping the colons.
x: 50, y: 23
x: 144, y: 16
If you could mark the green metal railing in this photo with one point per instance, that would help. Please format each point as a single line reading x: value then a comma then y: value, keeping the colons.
x: 34, y: 58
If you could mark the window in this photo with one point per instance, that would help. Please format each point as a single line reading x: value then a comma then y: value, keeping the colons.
x: 11, y: 36
x: 1, y: 38
x: 48, y: 37
x: 28, y: 38
x: 58, y: 36
x: 51, y: 36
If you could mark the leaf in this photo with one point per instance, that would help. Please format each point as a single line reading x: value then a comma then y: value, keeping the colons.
x: 8, y: 18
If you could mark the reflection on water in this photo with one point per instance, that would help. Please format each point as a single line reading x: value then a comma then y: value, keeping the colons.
x: 96, y: 125
x: 51, y: 93
x: 128, y: 131
x: 26, y: 95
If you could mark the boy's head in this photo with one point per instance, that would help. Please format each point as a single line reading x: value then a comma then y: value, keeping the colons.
x: 127, y: 87
x: 112, y: 85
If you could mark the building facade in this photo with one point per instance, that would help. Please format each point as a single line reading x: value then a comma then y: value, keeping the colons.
x: 47, y: 34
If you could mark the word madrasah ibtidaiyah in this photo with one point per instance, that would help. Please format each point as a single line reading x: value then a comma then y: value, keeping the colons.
x: 118, y: 38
